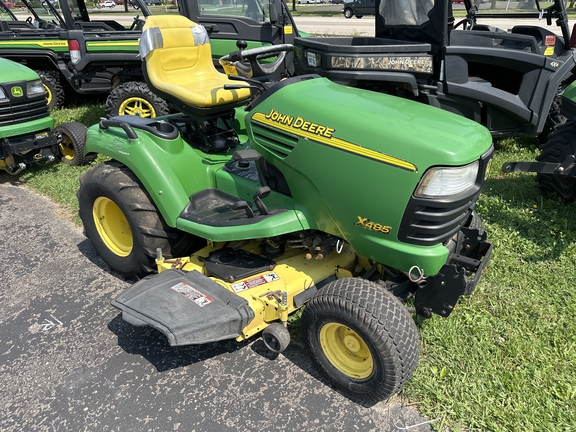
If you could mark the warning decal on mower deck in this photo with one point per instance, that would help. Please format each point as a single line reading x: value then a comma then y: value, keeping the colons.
x: 190, y: 293
x: 254, y: 282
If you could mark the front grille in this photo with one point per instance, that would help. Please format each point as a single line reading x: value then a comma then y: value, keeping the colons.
x: 15, y: 110
x: 428, y: 222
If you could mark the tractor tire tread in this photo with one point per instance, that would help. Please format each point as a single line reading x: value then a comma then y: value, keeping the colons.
x: 561, y: 144
x: 381, y: 316
x: 151, y: 230
x: 134, y: 89
x: 51, y: 79
x: 76, y: 134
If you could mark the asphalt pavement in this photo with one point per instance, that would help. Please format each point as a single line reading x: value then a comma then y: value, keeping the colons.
x: 68, y: 362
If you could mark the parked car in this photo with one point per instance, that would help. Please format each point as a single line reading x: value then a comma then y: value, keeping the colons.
x: 153, y: 2
x: 336, y: 1
x: 108, y: 4
x: 359, y: 8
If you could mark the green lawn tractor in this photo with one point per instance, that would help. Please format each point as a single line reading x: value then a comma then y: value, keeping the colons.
x: 260, y: 198
x: 27, y: 133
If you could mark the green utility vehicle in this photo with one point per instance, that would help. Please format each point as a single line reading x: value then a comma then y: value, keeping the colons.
x: 27, y: 134
x: 260, y: 198
x: 72, y: 51
x: 258, y: 22
x: 507, y: 80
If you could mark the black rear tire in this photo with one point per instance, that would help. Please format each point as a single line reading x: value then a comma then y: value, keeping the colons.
x: 561, y: 144
x: 71, y: 149
x: 362, y: 338
x: 123, y: 224
x: 54, y: 91
x: 135, y: 98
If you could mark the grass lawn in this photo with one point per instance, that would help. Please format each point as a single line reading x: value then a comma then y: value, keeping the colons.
x: 505, y: 360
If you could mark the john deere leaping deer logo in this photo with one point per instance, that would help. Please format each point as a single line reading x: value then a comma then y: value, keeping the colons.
x: 17, y: 91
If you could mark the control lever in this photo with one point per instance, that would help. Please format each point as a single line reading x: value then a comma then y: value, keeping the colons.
x: 260, y: 194
x: 239, y: 205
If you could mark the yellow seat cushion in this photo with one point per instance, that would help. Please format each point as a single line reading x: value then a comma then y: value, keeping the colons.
x: 180, y: 63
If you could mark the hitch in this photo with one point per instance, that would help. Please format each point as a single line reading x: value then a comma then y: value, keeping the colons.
x: 565, y: 168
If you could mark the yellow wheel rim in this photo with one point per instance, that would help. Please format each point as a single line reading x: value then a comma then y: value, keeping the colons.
x: 346, y: 351
x: 112, y: 226
x: 136, y: 106
x: 66, y: 148
x: 48, y: 94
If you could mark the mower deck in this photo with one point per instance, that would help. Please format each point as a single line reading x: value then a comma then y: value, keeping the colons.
x: 250, y: 292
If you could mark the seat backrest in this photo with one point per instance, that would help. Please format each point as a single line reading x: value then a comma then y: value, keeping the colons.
x: 173, y: 47
x: 178, y: 66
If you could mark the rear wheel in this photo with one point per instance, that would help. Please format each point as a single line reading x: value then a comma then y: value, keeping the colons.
x: 54, y: 90
x: 136, y: 99
x: 123, y: 223
x: 359, y: 16
x: 560, y: 145
x: 71, y: 149
x: 362, y: 338
x: 348, y: 13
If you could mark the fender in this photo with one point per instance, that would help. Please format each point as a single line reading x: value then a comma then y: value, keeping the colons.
x: 31, y: 57
x: 169, y: 169
x: 569, y: 102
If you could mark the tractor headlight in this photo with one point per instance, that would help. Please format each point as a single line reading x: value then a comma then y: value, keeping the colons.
x: 34, y: 88
x: 446, y: 181
x: 2, y: 94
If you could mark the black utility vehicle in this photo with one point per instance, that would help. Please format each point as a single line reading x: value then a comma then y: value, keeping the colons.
x: 508, y: 80
x: 359, y: 8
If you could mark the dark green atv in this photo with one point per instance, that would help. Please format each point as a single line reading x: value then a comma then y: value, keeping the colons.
x: 263, y: 197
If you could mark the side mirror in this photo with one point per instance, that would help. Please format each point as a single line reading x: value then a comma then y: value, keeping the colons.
x: 275, y: 10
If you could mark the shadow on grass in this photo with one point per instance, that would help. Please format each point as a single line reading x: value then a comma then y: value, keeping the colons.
x: 513, y: 207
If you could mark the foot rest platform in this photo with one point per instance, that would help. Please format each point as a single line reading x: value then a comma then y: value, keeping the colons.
x: 215, y: 207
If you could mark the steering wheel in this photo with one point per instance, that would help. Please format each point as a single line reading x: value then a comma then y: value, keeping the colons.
x: 467, y: 24
x: 247, y: 61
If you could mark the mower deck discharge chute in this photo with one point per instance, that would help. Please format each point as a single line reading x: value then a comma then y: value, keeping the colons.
x: 261, y: 198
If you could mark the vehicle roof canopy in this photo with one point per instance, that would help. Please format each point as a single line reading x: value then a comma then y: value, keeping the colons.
x: 430, y: 21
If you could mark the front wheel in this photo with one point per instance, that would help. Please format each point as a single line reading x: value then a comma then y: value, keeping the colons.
x: 560, y: 145
x: 362, y: 338
x: 123, y: 223
x: 71, y: 148
x: 135, y: 99
x: 348, y: 13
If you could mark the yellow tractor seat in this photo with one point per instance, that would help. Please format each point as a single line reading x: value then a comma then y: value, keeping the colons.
x: 177, y: 66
